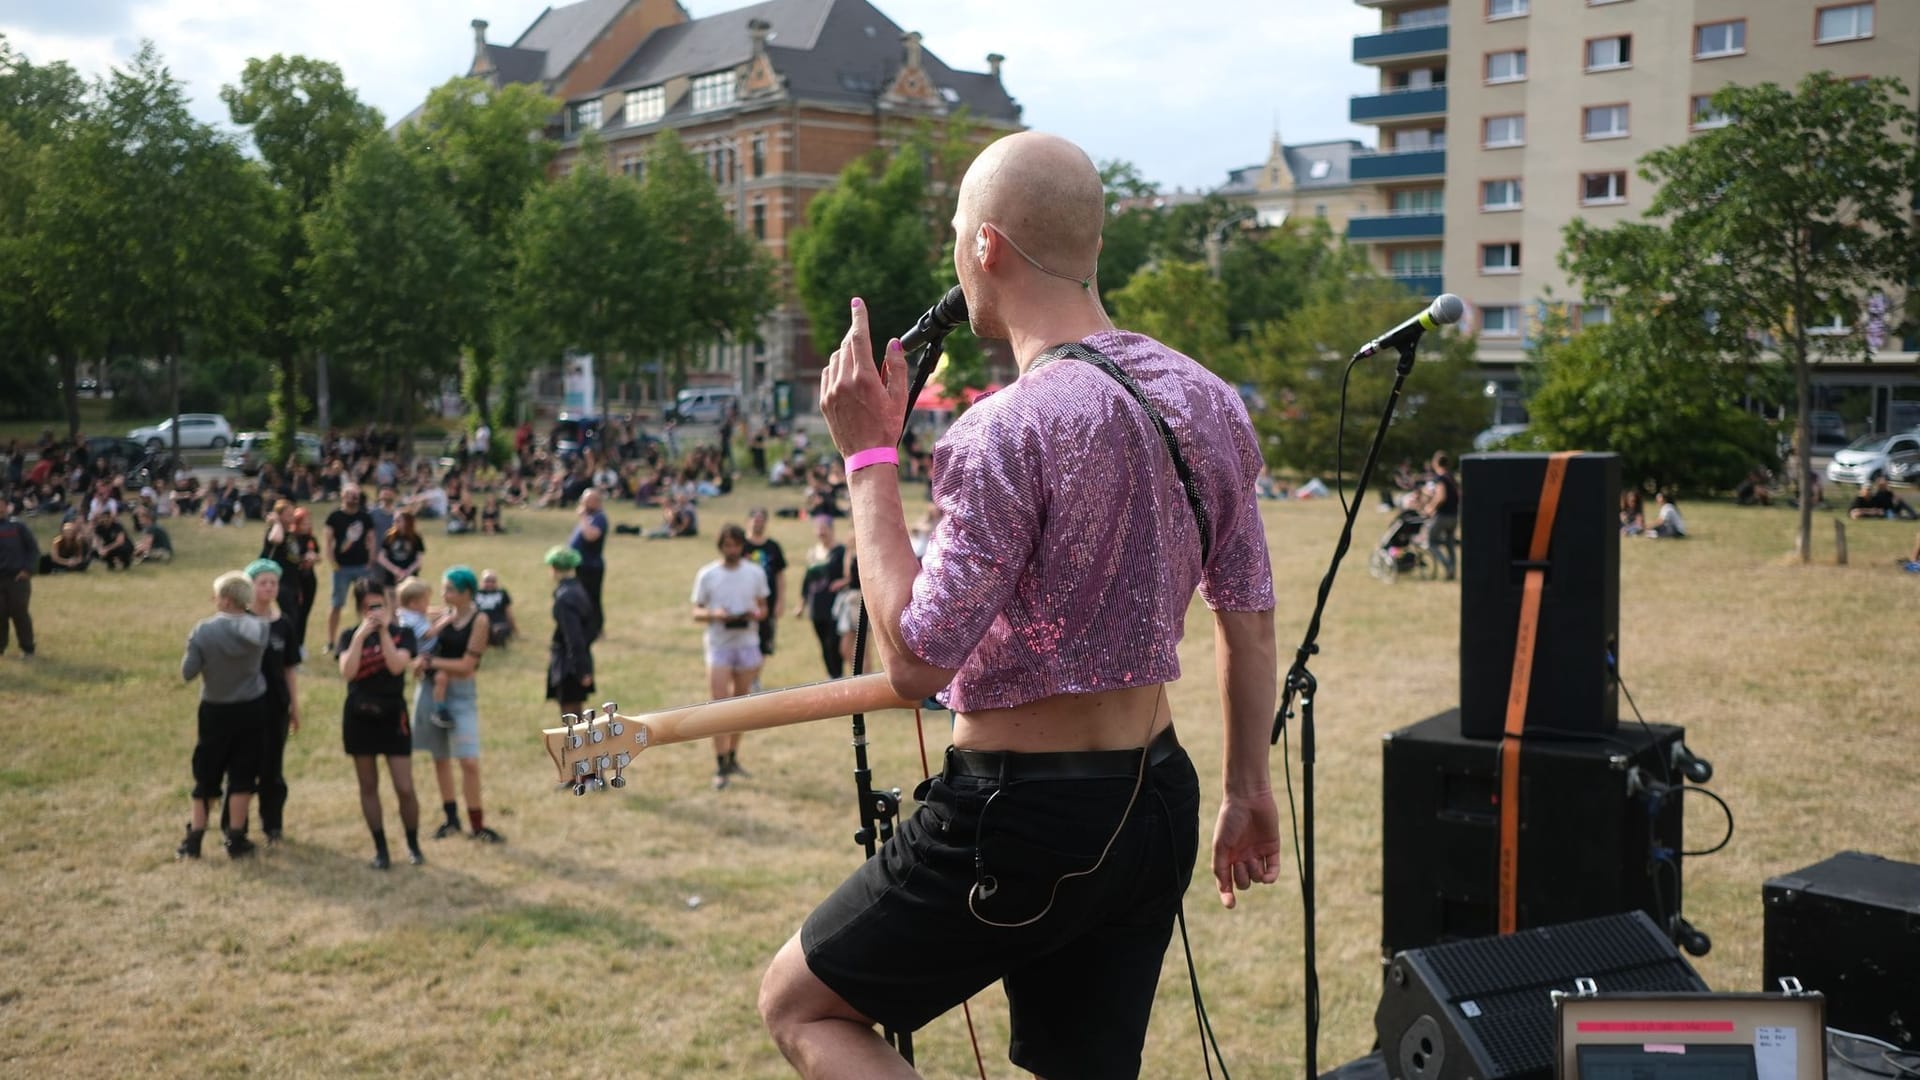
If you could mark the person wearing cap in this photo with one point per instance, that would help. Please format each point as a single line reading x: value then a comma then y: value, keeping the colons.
x: 460, y: 640
x: 575, y: 627
x: 280, y: 665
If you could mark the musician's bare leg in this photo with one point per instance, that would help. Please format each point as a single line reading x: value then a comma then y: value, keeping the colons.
x: 820, y: 1034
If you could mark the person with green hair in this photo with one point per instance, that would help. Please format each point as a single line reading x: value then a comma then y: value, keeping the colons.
x: 576, y: 624
x: 460, y: 638
x: 279, y: 664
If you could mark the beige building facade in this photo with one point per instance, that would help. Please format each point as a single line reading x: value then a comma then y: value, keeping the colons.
x: 1502, y: 120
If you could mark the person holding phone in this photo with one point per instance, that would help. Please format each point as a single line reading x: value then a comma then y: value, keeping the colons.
x: 373, y: 660
x: 730, y: 597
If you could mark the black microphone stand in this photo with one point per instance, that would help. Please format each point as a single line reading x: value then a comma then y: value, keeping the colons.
x: 879, y: 810
x: 1301, y: 684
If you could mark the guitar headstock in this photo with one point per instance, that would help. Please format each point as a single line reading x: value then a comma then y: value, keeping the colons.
x: 591, y: 749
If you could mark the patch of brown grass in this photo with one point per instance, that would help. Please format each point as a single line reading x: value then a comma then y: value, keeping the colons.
x: 578, y: 949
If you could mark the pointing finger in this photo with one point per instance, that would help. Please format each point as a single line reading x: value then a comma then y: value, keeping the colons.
x: 858, y: 344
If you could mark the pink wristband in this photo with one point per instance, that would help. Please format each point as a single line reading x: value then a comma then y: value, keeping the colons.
x: 879, y: 455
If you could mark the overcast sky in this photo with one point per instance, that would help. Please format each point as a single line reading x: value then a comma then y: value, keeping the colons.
x: 1185, y: 91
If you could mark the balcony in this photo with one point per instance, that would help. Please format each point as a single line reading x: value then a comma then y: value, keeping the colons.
x: 1411, y: 43
x: 1421, y: 164
x: 1422, y: 285
x: 1412, y: 225
x: 1398, y: 105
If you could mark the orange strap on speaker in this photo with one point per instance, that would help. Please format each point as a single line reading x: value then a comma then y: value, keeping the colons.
x: 1523, y: 643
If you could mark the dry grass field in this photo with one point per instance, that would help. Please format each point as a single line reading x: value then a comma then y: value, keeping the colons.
x: 624, y: 934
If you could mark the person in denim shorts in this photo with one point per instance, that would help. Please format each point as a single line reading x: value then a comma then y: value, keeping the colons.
x: 730, y: 597
x: 459, y: 641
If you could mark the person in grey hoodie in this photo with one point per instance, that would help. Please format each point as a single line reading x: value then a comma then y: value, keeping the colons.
x: 224, y: 652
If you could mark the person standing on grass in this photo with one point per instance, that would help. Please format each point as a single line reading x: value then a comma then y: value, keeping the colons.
x: 19, y: 555
x: 729, y: 597
x: 224, y: 652
x: 309, y: 550
x: 349, y: 542
x: 575, y: 626
x: 765, y: 552
x: 373, y: 723
x: 281, y: 714
x: 826, y: 576
x: 590, y: 540
x: 459, y: 641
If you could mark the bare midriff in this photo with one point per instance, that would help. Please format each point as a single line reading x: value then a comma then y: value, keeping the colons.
x: 1107, y: 720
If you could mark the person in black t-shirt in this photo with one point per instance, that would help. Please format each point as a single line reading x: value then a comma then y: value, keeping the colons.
x: 497, y: 603
x: 1440, y: 505
x: 111, y: 544
x: 280, y: 664
x: 401, y: 551
x: 766, y: 551
x: 373, y: 659
x: 349, y: 542
x: 825, y: 578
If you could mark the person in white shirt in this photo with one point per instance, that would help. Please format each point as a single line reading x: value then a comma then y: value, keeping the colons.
x: 730, y: 597
x: 1669, y: 525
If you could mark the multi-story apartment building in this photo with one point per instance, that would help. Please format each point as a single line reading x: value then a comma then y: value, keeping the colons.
x: 776, y: 98
x: 1502, y: 120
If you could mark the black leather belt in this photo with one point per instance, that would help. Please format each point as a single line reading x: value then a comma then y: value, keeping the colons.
x: 1008, y: 765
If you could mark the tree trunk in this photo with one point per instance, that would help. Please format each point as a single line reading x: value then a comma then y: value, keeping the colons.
x: 322, y: 393
x: 173, y: 398
x: 1803, y: 449
x: 70, y: 392
x: 409, y: 395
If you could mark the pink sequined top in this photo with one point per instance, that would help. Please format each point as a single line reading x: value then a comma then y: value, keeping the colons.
x: 1068, y: 552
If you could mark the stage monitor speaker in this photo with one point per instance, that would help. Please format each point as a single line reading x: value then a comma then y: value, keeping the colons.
x: 1849, y: 927
x: 1590, y: 845
x: 1579, y: 623
x: 1483, y: 1008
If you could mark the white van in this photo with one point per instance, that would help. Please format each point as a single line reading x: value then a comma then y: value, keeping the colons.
x: 704, y: 404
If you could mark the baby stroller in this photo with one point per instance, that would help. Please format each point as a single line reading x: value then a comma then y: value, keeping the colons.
x: 1402, y: 551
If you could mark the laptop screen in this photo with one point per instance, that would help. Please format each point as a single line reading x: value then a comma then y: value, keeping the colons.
x: 1666, y: 1061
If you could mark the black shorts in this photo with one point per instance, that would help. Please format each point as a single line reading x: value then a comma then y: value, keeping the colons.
x: 898, y: 942
x: 371, y: 727
x: 229, y: 747
x: 565, y: 688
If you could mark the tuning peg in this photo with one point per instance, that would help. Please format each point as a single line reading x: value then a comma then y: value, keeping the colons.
x: 617, y: 781
x: 599, y: 784
x: 580, y: 787
x: 609, y: 708
x: 588, y: 717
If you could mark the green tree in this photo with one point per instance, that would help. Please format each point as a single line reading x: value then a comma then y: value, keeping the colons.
x: 1298, y: 363
x: 483, y: 147
x: 304, y: 121
x: 39, y: 106
x: 1181, y: 305
x: 1270, y: 273
x: 395, y: 275
x: 1794, y: 213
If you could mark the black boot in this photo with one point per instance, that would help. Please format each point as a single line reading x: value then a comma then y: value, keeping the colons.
x: 380, y: 859
x: 190, y: 847
x: 238, y: 846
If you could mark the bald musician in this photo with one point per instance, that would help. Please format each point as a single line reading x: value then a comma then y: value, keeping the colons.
x: 1052, y: 851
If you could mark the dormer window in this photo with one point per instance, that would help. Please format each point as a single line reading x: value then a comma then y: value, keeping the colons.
x: 713, y: 91
x: 646, y: 105
x: 586, y: 115
x: 1319, y: 169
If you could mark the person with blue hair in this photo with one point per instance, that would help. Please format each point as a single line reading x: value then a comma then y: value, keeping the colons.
x: 460, y: 638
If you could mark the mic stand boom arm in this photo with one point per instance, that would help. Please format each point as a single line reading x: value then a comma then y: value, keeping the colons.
x: 1300, y: 684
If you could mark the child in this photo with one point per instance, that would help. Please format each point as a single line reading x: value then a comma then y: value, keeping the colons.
x: 412, y: 597
x: 490, y: 517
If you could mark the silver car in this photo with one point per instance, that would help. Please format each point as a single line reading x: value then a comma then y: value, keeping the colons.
x: 1869, y: 457
x: 198, y: 431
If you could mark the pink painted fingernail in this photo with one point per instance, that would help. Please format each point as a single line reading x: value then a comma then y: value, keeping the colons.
x: 856, y: 303
x: 893, y: 346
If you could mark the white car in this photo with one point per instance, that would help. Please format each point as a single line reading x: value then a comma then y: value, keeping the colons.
x: 1868, y: 456
x: 251, y: 449
x: 198, y: 431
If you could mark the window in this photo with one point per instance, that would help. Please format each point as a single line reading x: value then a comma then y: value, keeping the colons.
x: 1319, y: 210
x: 1828, y: 325
x: 1417, y: 201
x: 1719, y: 39
x: 713, y: 91
x: 1427, y: 16
x: 759, y: 221
x: 1420, y: 139
x: 1603, y: 188
x: 1500, y: 194
x: 586, y: 115
x: 633, y: 165
x: 1703, y: 115
x: 1505, y: 67
x: 1607, y: 53
x: 1500, y: 320
x: 1417, y: 79
x: 1500, y: 258
x: 1604, y: 122
x: 1319, y: 170
x: 759, y: 155
x: 1595, y: 314
x: 1414, y: 262
x: 646, y: 106
x: 1506, y: 9
x: 1848, y: 22
x: 1501, y: 131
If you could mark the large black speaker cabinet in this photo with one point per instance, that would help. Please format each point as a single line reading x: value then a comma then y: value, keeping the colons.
x: 1483, y: 1008
x: 1590, y: 845
x: 1849, y: 927
x: 1572, y: 688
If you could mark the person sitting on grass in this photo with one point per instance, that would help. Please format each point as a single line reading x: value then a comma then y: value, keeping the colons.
x: 111, y: 544
x: 490, y: 516
x: 497, y: 603
x: 1669, y: 525
x: 224, y: 652
x: 1877, y: 500
x: 69, y: 553
x: 153, y: 545
x: 412, y: 597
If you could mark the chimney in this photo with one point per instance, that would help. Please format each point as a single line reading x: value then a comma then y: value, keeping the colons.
x: 759, y: 28
x: 994, y: 60
x: 912, y: 42
x: 479, y: 38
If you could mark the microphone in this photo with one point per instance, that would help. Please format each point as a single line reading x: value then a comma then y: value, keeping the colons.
x: 950, y: 312
x: 1445, y: 310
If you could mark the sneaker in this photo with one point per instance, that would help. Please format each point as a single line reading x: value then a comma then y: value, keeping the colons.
x: 443, y: 717
x: 238, y: 846
x: 488, y: 836
x: 379, y: 861
x: 190, y: 847
x: 734, y: 769
x: 446, y: 829
x: 416, y: 857
x: 721, y: 779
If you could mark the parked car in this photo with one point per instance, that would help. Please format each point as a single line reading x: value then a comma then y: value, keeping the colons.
x: 1903, y: 467
x: 704, y: 404
x: 120, y: 453
x: 1867, y: 457
x: 197, y: 431
x: 1491, y: 438
x: 252, y: 449
x: 1829, y: 429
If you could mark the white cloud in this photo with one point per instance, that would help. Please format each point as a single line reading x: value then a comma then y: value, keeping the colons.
x: 1185, y: 91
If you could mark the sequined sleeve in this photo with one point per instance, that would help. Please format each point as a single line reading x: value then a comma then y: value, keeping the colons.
x: 987, y: 485
x: 1239, y: 576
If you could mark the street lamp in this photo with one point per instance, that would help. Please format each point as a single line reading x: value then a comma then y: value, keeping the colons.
x: 1217, y: 240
